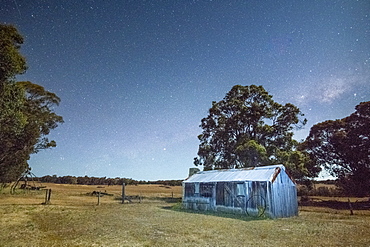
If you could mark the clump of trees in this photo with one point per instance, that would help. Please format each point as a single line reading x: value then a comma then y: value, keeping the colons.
x: 342, y: 147
x: 26, y: 110
x: 248, y: 128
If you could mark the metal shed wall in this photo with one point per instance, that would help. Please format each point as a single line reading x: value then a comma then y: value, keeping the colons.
x: 284, y: 201
x: 243, y: 191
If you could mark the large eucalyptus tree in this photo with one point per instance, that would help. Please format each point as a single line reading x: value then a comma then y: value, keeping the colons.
x: 342, y: 147
x: 248, y: 128
x: 26, y: 110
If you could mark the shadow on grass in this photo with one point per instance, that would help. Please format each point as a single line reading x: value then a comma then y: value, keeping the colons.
x: 169, y: 199
x: 139, y: 199
x: 244, y: 217
x: 334, y: 204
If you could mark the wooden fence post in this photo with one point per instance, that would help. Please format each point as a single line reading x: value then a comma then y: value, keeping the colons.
x: 350, y: 207
x: 123, y: 193
x: 47, y: 196
x: 99, y: 198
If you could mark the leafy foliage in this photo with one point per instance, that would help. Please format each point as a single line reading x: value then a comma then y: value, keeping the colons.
x: 342, y: 147
x: 247, y: 128
x: 26, y: 110
x: 11, y: 61
x: 41, y: 118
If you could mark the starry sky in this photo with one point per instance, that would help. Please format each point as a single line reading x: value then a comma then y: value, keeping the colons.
x: 136, y: 77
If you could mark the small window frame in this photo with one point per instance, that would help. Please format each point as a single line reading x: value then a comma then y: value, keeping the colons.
x: 196, y: 188
x: 240, y: 189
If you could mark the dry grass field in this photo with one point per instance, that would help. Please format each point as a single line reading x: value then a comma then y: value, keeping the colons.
x: 74, y: 219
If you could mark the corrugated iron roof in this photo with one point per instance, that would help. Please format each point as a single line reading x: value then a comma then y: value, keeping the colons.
x: 261, y: 173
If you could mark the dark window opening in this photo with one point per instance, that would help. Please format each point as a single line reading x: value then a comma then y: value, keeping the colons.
x: 220, y: 193
x: 189, y: 189
x: 206, y: 189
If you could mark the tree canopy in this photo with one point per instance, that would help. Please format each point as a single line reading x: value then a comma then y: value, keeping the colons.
x: 248, y: 128
x: 26, y: 110
x: 11, y: 61
x: 342, y: 147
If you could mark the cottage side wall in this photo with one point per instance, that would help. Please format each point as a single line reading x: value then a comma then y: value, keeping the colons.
x: 252, y: 197
x: 284, y: 197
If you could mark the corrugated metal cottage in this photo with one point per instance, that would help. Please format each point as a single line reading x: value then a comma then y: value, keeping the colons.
x: 265, y: 190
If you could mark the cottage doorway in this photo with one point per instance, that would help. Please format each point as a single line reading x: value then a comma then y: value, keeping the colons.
x: 256, y: 203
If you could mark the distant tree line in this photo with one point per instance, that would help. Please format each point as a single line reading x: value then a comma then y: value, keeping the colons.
x: 85, y: 180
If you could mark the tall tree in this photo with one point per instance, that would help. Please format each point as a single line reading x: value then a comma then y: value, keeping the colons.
x: 342, y: 147
x: 11, y: 61
x: 26, y: 110
x: 12, y: 118
x: 247, y: 128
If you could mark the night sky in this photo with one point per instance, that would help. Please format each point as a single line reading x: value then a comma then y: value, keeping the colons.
x: 136, y: 77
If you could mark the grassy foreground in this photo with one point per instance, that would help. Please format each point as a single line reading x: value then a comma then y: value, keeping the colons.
x: 74, y: 219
